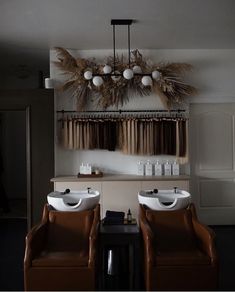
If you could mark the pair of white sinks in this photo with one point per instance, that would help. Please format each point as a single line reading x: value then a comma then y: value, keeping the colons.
x: 162, y: 200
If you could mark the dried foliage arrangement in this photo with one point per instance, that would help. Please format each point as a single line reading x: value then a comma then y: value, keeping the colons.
x: 170, y: 86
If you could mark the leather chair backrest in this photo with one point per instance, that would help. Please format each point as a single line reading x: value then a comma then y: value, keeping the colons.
x: 69, y: 230
x: 172, y: 229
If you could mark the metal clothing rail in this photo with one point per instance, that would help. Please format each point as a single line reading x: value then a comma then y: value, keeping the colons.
x: 123, y: 111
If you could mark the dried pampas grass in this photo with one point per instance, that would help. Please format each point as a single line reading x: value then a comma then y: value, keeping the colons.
x: 170, y: 86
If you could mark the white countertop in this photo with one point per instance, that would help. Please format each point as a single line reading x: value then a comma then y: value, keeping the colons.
x: 120, y: 177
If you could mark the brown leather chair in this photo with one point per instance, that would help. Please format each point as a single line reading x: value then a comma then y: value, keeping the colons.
x: 179, y: 251
x: 61, y: 251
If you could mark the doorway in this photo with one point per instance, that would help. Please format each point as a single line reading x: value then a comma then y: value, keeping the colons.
x: 37, y: 106
x: 212, y: 161
x: 14, y: 199
x: 36, y: 136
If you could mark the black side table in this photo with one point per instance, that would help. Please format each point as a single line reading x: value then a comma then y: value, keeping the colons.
x: 119, y: 257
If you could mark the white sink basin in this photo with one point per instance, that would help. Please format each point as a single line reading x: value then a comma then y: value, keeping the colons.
x: 73, y: 200
x: 164, y: 200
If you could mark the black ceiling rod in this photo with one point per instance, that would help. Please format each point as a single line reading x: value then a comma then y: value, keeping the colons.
x: 124, y: 111
x: 115, y: 22
x: 121, y: 21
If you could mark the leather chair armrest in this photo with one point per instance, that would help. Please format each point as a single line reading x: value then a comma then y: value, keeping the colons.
x: 206, y: 237
x: 148, y: 238
x: 34, y: 242
x: 93, y: 237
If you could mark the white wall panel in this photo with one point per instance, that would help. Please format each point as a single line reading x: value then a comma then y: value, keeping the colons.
x: 215, y: 141
x: 217, y: 193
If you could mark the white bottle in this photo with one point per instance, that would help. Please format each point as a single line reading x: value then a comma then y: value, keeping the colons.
x: 82, y: 169
x: 140, y: 168
x: 158, y: 169
x: 88, y: 168
x: 175, y: 168
x: 167, y: 168
x: 148, y: 168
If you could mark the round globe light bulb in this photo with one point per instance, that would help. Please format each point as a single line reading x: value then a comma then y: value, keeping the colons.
x: 128, y: 74
x: 155, y: 74
x: 116, y: 78
x: 88, y: 75
x: 137, y: 69
x: 107, y: 69
x: 146, y: 81
x: 97, y: 81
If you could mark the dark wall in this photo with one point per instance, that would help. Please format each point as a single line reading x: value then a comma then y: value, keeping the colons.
x: 23, y: 67
x: 39, y: 108
x: 13, y: 145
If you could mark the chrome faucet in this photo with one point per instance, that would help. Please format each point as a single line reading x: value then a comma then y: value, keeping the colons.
x: 67, y: 191
x: 175, y: 190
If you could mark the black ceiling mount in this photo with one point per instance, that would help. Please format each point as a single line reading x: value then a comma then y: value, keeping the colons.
x: 121, y: 21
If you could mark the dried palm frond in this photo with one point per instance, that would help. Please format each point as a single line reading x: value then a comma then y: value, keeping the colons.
x: 81, y: 63
x: 175, y: 68
x: 135, y: 87
x: 164, y: 99
x: 82, y: 94
x: 66, y: 61
x: 67, y: 85
x: 170, y: 87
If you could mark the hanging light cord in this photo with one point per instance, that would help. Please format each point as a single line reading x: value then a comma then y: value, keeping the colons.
x: 126, y: 22
x: 129, y: 47
x: 114, y: 52
x: 114, y: 47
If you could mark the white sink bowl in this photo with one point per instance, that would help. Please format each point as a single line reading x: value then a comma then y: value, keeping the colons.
x: 164, y: 200
x: 74, y: 200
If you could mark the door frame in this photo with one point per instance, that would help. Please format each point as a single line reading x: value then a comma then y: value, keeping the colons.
x: 28, y: 168
x: 38, y: 105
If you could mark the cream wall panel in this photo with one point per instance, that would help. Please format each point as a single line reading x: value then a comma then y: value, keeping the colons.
x: 215, y: 141
x: 164, y: 185
x: 219, y: 193
x: 120, y: 196
x: 76, y: 186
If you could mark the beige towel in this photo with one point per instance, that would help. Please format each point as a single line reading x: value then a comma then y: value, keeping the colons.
x: 65, y: 133
x: 182, y: 159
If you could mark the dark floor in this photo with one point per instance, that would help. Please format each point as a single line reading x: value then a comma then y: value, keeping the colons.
x: 12, y: 243
x: 17, y: 209
x: 12, y: 240
x: 225, y: 241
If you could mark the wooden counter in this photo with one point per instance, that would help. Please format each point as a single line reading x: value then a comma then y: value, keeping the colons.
x: 120, y: 177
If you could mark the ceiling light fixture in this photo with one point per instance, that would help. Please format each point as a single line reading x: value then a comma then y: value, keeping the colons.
x: 114, y: 82
x: 129, y: 72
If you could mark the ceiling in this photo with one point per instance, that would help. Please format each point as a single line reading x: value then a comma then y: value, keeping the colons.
x: 35, y: 26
